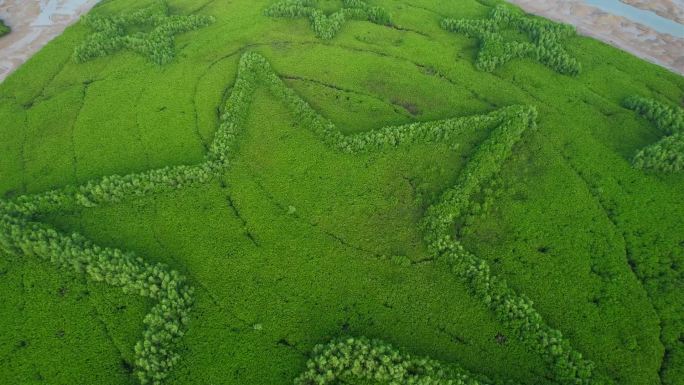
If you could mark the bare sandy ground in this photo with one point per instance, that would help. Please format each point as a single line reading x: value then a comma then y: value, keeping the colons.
x: 670, y: 9
x: 659, y: 48
x: 34, y: 23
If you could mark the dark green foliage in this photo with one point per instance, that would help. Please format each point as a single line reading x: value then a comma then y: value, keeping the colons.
x: 327, y: 26
x: 112, y: 33
x: 4, y: 29
x: 546, y: 36
x: 374, y: 360
x: 667, y: 155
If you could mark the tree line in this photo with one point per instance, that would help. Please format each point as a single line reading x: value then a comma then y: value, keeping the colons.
x: 374, y: 360
x: 666, y: 155
x: 154, y: 353
x: 568, y: 365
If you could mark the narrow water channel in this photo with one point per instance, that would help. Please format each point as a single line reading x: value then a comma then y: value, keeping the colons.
x: 647, y: 18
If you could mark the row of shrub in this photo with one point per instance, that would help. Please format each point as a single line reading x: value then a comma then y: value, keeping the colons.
x: 669, y: 119
x: 326, y: 27
x: 349, y: 359
x: 546, y: 38
x: 511, y: 308
x: 515, y: 310
x: 157, y: 44
x: 667, y: 155
x: 164, y: 324
x: 155, y: 356
x: 4, y: 29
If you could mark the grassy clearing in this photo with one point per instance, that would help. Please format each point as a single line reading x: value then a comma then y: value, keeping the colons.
x: 297, y: 243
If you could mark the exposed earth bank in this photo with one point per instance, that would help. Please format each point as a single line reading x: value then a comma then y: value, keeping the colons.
x: 34, y: 24
x: 659, y: 48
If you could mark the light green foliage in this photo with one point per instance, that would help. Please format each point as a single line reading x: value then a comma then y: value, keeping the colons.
x: 155, y: 356
x: 669, y: 119
x: 495, y: 50
x: 376, y: 184
x: 4, y: 29
x: 374, y: 360
x: 113, y: 33
x: 667, y: 155
x: 327, y: 26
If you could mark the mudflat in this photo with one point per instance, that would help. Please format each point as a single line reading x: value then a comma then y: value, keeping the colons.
x: 34, y: 24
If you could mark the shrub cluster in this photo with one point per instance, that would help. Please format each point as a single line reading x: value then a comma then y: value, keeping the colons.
x: 157, y: 45
x: 4, y: 29
x: 115, y: 188
x: 511, y: 308
x: 669, y: 119
x: 166, y: 320
x: 373, y: 360
x: 546, y: 38
x: 667, y: 155
x: 326, y: 27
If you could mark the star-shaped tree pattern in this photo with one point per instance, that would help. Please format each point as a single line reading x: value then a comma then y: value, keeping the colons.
x: 21, y: 233
x: 114, y: 33
x: 546, y: 37
x: 667, y: 155
x: 327, y: 26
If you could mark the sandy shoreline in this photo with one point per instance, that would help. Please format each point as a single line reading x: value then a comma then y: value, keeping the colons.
x: 34, y: 24
x: 670, y: 9
x: 659, y: 48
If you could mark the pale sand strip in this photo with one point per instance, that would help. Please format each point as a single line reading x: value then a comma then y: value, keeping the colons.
x: 34, y: 23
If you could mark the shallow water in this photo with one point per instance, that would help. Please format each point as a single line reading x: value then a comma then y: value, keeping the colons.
x: 647, y: 18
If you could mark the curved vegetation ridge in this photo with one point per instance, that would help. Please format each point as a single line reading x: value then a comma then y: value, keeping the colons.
x: 373, y: 259
x: 165, y: 323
